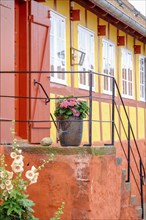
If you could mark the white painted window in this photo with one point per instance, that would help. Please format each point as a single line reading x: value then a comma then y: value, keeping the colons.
x: 86, y: 45
x: 108, y: 51
x: 58, y: 48
x: 127, y: 78
x: 142, y: 67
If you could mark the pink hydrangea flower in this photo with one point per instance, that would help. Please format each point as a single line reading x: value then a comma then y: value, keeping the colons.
x: 72, y: 103
x: 64, y: 104
x: 75, y: 112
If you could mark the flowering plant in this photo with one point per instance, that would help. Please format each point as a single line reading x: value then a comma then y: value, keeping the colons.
x: 69, y: 106
x: 14, y: 202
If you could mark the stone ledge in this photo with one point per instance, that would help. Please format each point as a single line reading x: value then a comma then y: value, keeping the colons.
x: 34, y: 149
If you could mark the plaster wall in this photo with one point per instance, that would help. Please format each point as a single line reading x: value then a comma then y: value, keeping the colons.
x: 88, y: 180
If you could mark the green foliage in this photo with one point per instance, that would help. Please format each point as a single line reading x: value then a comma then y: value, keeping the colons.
x: 17, y: 208
x: 14, y: 202
x: 58, y: 213
x: 69, y: 106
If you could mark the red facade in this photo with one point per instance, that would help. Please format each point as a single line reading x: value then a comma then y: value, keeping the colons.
x: 24, y: 47
x: 7, y: 57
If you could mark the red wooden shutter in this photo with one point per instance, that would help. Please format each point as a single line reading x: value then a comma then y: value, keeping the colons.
x: 39, y: 61
x: 6, y: 64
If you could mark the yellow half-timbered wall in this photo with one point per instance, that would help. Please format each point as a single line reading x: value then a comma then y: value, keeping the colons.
x: 101, y: 107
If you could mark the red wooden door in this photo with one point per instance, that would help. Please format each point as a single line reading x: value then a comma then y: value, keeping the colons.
x: 39, y: 45
x: 6, y: 64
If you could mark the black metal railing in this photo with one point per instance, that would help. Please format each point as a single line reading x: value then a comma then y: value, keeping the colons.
x: 112, y: 98
x: 139, y: 166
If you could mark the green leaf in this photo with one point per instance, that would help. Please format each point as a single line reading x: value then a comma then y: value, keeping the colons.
x: 62, y: 111
x: 69, y: 112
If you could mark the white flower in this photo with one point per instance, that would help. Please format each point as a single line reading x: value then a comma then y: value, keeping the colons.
x: 20, y: 163
x: 10, y: 175
x: 19, y: 151
x: 33, y: 168
x: 13, y: 155
x: 34, y: 180
x: 18, y: 158
x: 25, y: 188
x: 17, y: 168
x: 30, y: 174
x: 8, y: 182
x: 9, y: 187
x: 2, y: 174
x: 4, y: 193
x: 2, y: 186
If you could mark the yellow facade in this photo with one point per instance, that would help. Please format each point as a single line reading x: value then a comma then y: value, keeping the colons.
x: 141, y: 125
x: 102, y: 110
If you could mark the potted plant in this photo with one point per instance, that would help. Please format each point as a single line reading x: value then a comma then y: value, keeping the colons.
x: 70, y: 113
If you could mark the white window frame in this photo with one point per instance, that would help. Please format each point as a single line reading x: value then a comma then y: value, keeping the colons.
x: 142, y: 74
x: 127, y: 65
x: 89, y: 61
x: 54, y: 58
x: 108, y: 58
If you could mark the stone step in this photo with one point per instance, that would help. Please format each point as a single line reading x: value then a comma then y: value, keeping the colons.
x: 128, y: 186
x: 139, y: 211
x: 124, y: 172
x: 133, y: 200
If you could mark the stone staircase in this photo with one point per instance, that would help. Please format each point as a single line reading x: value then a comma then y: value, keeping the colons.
x: 129, y: 208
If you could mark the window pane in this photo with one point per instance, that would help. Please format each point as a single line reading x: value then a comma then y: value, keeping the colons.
x: 86, y: 44
x: 142, y: 79
x: 57, y: 47
x: 105, y: 83
x: 127, y: 73
x: 108, y: 64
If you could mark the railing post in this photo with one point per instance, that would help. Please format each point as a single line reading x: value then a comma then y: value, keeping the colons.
x: 90, y: 106
x: 141, y: 188
x: 128, y: 156
x: 113, y: 110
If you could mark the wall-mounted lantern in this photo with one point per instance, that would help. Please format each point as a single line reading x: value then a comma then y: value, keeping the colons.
x: 77, y: 56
